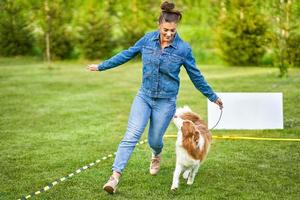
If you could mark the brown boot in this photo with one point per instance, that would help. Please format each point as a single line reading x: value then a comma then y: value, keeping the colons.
x: 155, y: 164
x: 111, y: 185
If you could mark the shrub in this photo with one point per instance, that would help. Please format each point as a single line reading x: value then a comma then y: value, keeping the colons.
x: 15, y: 36
x: 242, y: 34
x: 52, y: 19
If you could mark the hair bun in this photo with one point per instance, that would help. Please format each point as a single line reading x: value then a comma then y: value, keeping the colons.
x: 166, y: 6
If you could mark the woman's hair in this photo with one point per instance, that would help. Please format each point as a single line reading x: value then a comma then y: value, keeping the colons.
x: 168, y: 14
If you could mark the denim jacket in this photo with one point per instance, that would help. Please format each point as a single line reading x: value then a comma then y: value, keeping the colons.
x: 161, y: 67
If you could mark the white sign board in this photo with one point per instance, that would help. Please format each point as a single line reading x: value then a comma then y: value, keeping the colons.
x: 247, y: 111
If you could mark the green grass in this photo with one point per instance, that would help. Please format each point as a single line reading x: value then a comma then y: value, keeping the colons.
x: 54, y: 121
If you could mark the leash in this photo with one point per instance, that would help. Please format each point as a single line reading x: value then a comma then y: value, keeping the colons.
x: 218, y: 120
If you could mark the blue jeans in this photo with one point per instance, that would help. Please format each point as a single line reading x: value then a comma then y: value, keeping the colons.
x: 160, y: 112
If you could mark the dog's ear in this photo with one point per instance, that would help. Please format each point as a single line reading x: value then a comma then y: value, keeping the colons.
x: 196, y: 136
x: 188, y: 129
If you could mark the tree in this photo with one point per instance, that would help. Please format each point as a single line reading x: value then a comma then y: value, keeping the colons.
x: 281, y: 35
x: 285, y: 34
x: 51, y: 22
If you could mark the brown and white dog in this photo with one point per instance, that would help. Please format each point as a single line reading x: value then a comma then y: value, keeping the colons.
x: 192, y: 145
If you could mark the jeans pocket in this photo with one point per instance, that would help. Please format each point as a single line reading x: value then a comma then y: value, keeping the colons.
x: 172, y: 100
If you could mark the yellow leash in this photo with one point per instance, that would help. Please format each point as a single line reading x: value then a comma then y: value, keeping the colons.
x: 245, y: 138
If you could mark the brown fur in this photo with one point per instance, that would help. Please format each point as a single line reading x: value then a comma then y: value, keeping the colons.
x: 192, y: 128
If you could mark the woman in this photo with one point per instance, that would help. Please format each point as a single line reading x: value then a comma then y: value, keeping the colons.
x: 163, y: 53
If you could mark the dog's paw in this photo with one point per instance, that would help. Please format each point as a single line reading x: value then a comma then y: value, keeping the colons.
x: 186, y: 174
x: 173, y: 188
x: 190, y: 182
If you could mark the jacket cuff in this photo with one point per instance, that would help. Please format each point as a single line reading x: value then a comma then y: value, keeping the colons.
x: 100, y: 68
x: 213, y: 97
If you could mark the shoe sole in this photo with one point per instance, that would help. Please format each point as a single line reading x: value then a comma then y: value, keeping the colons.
x: 153, y: 174
x: 109, y: 189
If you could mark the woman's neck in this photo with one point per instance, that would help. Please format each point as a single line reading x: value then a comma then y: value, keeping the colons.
x: 164, y: 44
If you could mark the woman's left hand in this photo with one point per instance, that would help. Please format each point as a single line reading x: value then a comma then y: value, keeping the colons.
x: 219, y: 103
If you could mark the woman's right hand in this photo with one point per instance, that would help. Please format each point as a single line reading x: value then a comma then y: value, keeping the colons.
x: 219, y: 103
x: 92, y: 67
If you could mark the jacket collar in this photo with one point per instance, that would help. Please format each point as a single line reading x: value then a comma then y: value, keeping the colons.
x: 174, y: 42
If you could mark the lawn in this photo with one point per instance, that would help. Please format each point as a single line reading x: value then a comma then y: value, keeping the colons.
x: 54, y: 121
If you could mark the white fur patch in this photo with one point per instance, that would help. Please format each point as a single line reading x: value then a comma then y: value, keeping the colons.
x: 201, y: 143
x: 178, y: 122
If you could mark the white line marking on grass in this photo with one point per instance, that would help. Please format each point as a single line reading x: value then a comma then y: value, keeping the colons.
x: 49, y: 186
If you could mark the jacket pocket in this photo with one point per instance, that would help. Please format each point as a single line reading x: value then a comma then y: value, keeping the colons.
x: 147, y: 55
x: 174, y: 62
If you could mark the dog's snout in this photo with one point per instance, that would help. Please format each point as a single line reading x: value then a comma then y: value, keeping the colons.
x: 175, y: 116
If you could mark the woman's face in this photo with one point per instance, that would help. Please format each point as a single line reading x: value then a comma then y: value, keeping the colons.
x: 167, y: 31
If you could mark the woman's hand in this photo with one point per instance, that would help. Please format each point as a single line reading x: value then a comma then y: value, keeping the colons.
x: 219, y: 103
x: 92, y: 67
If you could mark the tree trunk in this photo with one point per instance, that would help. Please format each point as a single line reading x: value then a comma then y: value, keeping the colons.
x: 47, y: 32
